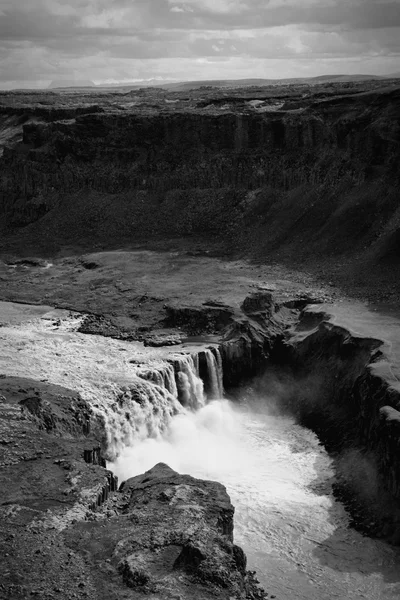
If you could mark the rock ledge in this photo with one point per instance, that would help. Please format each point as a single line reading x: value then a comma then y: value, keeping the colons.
x: 165, y: 535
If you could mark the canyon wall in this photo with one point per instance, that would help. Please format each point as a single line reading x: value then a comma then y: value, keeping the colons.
x: 326, y: 172
x: 346, y: 389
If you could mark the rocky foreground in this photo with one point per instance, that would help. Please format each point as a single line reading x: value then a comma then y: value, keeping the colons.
x: 166, y: 535
x: 66, y: 532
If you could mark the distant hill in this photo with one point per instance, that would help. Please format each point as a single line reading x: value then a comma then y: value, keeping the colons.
x: 344, y: 78
x: 137, y: 84
x: 231, y: 83
x: 71, y: 83
x: 182, y: 86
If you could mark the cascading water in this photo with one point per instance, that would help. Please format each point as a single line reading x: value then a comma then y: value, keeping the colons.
x: 163, y: 376
x: 144, y: 408
x: 135, y: 391
x: 189, y: 385
x: 214, y: 369
x: 294, y: 533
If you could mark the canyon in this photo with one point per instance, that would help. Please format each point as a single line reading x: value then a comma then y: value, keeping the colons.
x: 161, y: 251
x: 255, y: 173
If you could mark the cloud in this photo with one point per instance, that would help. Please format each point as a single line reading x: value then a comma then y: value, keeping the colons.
x: 181, y: 8
x: 45, y: 39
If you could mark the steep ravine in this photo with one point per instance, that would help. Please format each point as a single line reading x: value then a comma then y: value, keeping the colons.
x: 51, y: 508
x: 344, y: 385
x: 57, y: 491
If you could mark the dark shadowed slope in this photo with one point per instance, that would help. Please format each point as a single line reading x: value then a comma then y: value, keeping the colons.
x: 302, y: 179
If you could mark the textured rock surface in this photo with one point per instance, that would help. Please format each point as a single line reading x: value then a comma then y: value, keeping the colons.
x: 58, y: 506
x: 325, y: 173
x: 348, y: 391
x: 50, y: 477
x: 165, y: 535
x: 65, y: 530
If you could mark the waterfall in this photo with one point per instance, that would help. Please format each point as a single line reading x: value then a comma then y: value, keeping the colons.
x: 190, y: 386
x: 144, y: 408
x: 214, y: 372
x: 220, y: 372
x: 162, y: 375
x: 180, y: 377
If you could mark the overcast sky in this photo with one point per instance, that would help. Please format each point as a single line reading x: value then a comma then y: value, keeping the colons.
x: 125, y: 40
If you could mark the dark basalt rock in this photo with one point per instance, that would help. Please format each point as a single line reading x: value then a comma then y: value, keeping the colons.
x: 327, y: 173
x: 50, y: 477
x: 167, y: 535
x: 259, y: 302
x: 246, y: 344
x: 99, y: 325
x: 90, y: 264
x: 197, y: 320
x: 94, y: 456
x: 342, y: 387
x: 71, y: 416
x: 159, y: 338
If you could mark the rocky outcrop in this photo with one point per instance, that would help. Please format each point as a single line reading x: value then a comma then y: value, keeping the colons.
x: 161, y: 534
x: 199, y: 320
x: 49, y: 479
x: 247, y: 343
x: 57, y: 418
x: 166, y: 535
x: 52, y: 429
x: 344, y: 388
x: 49, y: 113
x: 242, y: 337
x: 110, y: 485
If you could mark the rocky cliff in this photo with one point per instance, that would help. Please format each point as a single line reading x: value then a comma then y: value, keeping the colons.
x: 347, y: 390
x: 165, y: 535
x: 67, y: 530
x: 324, y: 171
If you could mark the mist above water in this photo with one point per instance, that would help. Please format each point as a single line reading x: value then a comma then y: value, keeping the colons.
x: 279, y: 479
x: 204, y: 441
x: 220, y: 442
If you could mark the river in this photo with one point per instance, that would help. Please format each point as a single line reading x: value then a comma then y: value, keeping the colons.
x: 279, y: 478
x: 296, y: 536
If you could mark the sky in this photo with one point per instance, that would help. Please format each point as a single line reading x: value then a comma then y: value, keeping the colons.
x: 135, y: 40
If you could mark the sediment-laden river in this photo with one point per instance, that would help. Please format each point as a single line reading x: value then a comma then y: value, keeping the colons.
x: 295, y: 534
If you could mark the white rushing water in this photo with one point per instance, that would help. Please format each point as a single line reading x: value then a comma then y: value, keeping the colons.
x: 155, y: 410
x: 279, y: 478
x: 214, y: 368
x: 134, y: 390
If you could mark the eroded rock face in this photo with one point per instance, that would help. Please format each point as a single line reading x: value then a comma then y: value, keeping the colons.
x: 345, y: 390
x: 326, y: 173
x: 66, y: 530
x: 199, y: 320
x: 51, y: 475
x: 165, y: 535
